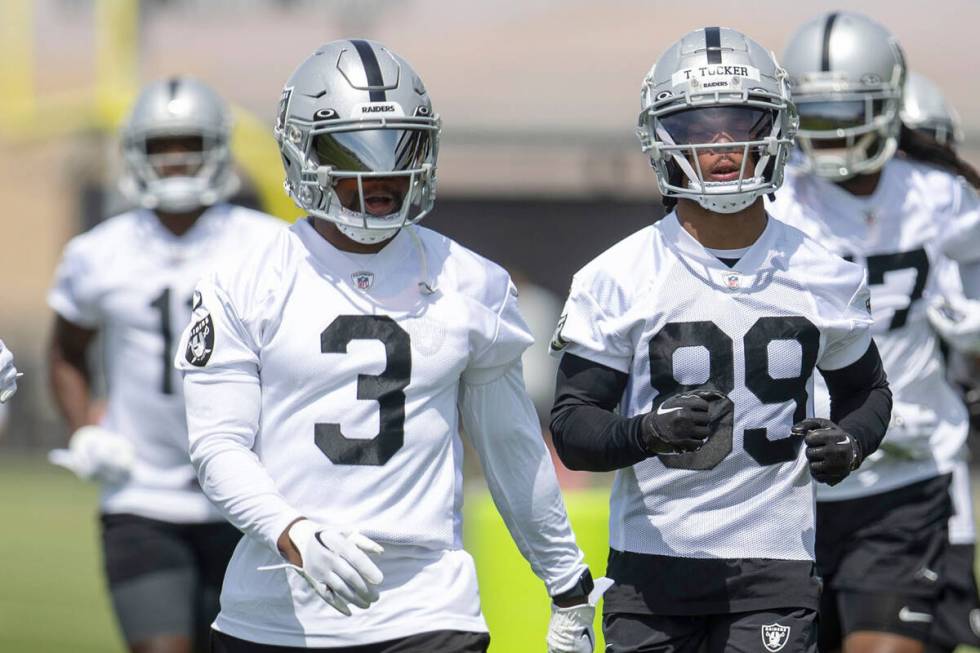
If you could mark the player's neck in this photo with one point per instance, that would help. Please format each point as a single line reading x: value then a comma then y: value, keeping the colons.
x: 861, y: 185
x: 179, y: 223
x: 722, y: 230
x: 333, y: 235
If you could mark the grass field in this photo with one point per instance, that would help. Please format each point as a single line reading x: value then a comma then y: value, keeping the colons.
x: 53, y: 598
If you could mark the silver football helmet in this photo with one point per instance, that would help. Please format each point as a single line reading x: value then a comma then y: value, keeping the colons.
x: 177, y: 108
x: 716, y: 90
x: 847, y: 73
x: 353, y: 111
x: 925, y: 109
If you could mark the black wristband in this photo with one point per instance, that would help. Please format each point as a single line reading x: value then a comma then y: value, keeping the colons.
x: 580, y: 590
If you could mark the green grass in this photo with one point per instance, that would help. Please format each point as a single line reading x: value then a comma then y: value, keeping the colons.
x: 53, y: 597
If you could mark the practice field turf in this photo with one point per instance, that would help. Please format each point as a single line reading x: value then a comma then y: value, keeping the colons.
x: 53, y: 599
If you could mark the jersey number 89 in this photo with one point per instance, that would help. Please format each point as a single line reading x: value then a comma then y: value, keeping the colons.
x: 721, y: 375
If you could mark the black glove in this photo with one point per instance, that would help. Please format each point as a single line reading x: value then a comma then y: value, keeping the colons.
x: 833, y: 453
x: 681, y: 423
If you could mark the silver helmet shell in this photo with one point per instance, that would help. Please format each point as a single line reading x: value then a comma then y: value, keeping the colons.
x: 925, y: 109
x: 847, y: 74
x: 178, y: 107
x: 356, y: 110
x: 716, y: 67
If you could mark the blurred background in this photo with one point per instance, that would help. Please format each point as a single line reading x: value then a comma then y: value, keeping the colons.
x: 539, y: 169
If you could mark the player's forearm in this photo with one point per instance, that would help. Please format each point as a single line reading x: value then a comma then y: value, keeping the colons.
x: 222, y: 419
x: 70, y: 384
x: 860, y: 399
x: 587, y: 434
x: 501, y: 422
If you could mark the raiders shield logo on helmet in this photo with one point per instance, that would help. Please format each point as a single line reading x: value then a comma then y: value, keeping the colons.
x: 774, y: 637
x: 201, y: 342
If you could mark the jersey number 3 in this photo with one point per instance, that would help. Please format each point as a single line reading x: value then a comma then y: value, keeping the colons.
x: 387, y: 388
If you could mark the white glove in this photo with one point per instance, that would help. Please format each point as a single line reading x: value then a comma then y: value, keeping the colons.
x: 95, y: 453
x: 570, y: 629
x: 336, y: 565
x: 8, y: 374
x: 957, y: 321
x: 909, y: 434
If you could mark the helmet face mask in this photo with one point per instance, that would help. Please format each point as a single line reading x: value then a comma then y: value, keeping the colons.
x: 716, y: 120
x: 175, y: 148
x: 847, y: 78
x: 341, y: 128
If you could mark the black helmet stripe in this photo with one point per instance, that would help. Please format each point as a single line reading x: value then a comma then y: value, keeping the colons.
x: 825, y: 53
x: 172, y: 85
x: 712, y: 40
x: 372, y: 70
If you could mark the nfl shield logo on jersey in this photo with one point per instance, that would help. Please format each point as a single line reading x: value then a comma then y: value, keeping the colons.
x: 732, y: 281
x: 363, y: 280
x: 774, y: 637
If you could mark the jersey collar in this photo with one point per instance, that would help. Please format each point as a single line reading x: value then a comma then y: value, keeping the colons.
x: 760, y: 260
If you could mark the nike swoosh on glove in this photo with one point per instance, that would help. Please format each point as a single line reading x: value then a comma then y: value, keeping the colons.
x: 95, y: 453
x: 832, y: 452
x: 570, y: 629
x: 336, y: 564
x: 680, y: 423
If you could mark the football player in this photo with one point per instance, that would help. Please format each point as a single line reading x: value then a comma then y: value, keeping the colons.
x: 705, y: 330
x: 881, y: 533
x: 130, y: 281
x: 326, y: 378
x: 925, y: 111
x: 8, y: 374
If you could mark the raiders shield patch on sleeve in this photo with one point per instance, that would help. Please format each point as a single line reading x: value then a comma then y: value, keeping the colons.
x: 557, y: 341
x: 201, y: 342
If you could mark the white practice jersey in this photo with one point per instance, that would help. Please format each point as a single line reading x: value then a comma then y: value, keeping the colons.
x: 660, y: 308
x: 361, y: 372
x: 906, y: 233
x: 132, y: 280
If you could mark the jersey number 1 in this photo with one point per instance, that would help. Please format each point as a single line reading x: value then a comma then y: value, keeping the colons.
x: 387, y: 388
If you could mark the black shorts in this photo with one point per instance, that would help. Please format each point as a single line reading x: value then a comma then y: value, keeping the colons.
x: 792, y: 630
x: 444, y: 641
x: 880, y: 560
x: 668, y: 585
x: 165, y: 578
x: 958, y: 612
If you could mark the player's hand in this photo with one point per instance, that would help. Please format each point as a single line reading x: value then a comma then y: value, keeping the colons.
x: 336, y: 564
x: 681, y: 423
x: 95, y: 453
x: 8, y: 374
x: 570, y: 629
x: 832, y: 452
x: 957, y: 321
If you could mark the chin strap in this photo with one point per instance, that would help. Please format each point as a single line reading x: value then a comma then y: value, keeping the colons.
x: 426, y: 287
